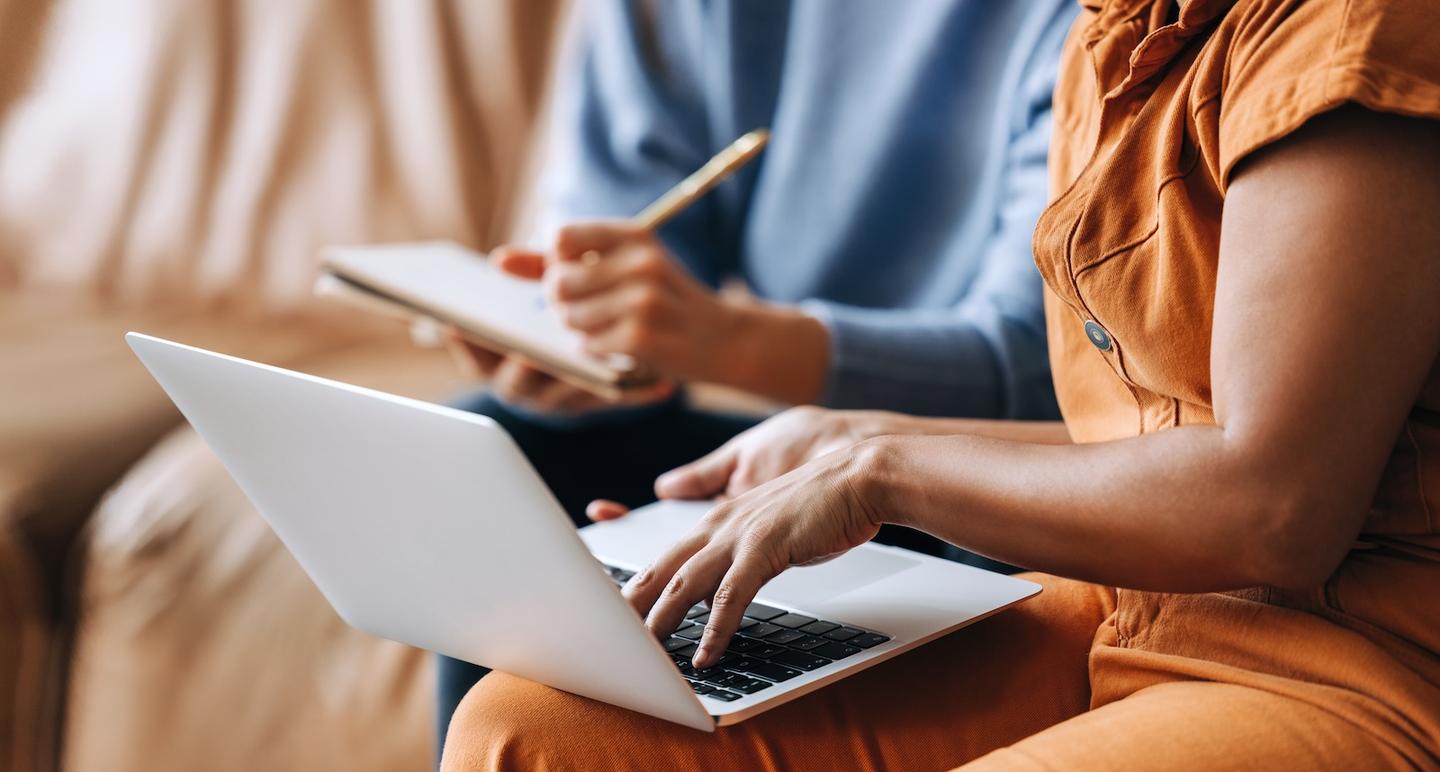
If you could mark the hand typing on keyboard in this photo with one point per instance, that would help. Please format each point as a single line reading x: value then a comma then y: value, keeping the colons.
x: 813, y: 513
x: 772, y: 646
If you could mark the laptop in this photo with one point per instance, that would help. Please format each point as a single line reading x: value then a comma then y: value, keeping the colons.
x: 427, y: 525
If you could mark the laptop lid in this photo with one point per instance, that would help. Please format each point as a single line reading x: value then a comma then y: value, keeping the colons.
x: 402, y: 512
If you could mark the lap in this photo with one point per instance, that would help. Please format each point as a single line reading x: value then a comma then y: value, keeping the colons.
x: 955, y: 699
x: 1199, y: 725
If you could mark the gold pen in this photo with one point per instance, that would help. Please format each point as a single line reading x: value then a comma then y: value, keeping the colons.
x: 724, y: 164
x: 690, y: 189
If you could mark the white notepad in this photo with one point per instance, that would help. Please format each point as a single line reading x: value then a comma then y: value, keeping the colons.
x: 458, y: 286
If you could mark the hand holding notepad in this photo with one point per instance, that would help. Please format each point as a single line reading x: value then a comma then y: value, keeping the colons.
x: 500, y: 312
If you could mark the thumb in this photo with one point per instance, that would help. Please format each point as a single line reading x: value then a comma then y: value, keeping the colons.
x: 524, y: 263
x: 701, y: 479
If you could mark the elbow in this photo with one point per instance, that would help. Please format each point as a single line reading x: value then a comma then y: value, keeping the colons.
x: 1299, y: 539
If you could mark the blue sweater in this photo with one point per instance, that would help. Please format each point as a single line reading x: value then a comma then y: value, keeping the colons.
x: 897, y: 197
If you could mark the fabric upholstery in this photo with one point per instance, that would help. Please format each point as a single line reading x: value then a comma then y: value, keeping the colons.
x: 174, y: 167
x: 203, y: 643
x: 213, y: 146
x: 76, y: 409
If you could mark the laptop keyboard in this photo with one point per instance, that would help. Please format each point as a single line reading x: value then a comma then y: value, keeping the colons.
x: 772, y: 646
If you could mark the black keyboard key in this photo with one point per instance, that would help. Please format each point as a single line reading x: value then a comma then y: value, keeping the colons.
x: 696, y: 610
x: 784, y: 636
x: 868, y: 639
x: 688, y: 651
x: 835, y: 650
x: 724, y: 679
x: 773, y: 672
x: 766, y: 651
x: 819, y: 628
x: 691, y: 633
x: 799, y: 659
x: 701, y: 619
x: 624, y: 576
x: 712, y: 675
x: 701, y: 688
x: 762, y: 612
x: 791, y: 620
x: 808, y: 642
x: 736, y: 662
x: 742, y: 645
x: 674, y: 645
x: 748, y: 685
x: 843, y: 634
x: 760, y: 629
x: 723, y: 696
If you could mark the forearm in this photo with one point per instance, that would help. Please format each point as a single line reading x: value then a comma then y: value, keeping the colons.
x: 1177, y: 511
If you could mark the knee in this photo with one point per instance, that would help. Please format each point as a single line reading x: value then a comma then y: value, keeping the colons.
x: 483, y: 733
x: 507, y: 722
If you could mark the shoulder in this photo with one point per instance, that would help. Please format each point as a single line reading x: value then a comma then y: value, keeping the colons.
x: 1274, y: 64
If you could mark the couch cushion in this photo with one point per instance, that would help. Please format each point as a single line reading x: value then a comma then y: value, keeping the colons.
x: 203, y: 645
x: 77, y: 408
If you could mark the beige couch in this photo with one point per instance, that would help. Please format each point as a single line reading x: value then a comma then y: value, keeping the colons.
x: 173, y: 167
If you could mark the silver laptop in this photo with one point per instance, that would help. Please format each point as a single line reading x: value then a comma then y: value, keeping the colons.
x: 427, y: 525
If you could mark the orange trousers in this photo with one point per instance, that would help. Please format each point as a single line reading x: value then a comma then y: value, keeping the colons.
x: 1082, y: 677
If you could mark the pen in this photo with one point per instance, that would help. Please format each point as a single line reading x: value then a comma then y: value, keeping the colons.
x: 724, y: 164
x: 715, y: 171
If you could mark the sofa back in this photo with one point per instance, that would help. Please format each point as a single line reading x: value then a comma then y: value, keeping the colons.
x: 160, y: 151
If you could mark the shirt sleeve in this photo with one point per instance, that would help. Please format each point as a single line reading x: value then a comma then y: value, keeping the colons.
x: 628, y: 122
x: 986, y: 355
x: 1289, y: 62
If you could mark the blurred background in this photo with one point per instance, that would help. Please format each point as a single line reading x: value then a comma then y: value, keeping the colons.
x: 173, y: 166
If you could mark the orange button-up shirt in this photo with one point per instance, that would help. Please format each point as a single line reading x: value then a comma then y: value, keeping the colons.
x: 1153, y: 109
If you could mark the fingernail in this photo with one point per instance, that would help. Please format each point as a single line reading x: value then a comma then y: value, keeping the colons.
x: 702, y: 657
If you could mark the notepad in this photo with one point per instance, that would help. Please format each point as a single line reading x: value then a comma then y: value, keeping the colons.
x: 458, y: 286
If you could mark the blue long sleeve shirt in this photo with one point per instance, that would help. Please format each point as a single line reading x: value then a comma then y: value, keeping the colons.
x: 896, y: 199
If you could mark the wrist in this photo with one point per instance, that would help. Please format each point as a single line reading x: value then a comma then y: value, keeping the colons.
x: 874, y: 478
x: 861, y: 425
x: 772, y: 350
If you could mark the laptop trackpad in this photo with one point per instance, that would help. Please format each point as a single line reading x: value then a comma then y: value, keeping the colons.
x: 805, y: 586
x: 641, y: 536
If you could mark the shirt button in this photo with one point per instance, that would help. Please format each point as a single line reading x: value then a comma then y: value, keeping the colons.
x: 1097, y: 335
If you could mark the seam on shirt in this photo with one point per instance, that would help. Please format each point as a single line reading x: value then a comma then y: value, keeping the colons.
x: 1179, y: 174
x: 1118, y: 369
x: 1363, y: 90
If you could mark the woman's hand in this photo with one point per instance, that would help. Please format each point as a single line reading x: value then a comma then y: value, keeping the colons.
x: 759, y: 455
x: 814, y: 513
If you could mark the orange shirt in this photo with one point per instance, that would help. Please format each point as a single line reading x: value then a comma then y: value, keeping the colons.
x: 1153, y: 110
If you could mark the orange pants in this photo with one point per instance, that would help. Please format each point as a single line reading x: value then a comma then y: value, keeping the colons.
x: 1081, y: 677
